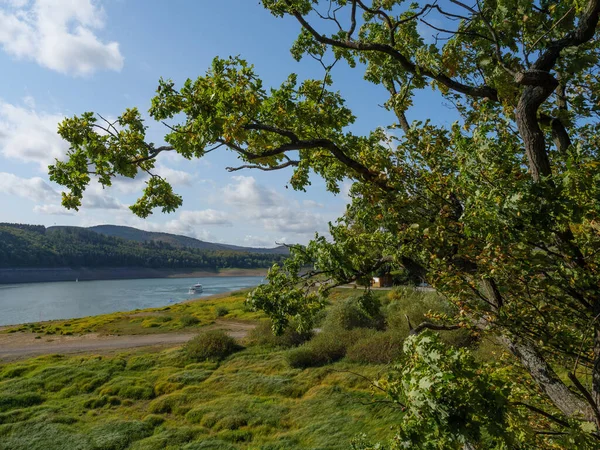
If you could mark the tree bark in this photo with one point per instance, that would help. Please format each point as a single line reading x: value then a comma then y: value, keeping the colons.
x: 569, y: 403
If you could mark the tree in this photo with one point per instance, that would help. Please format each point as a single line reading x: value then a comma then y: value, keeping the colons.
x: 499, y: 212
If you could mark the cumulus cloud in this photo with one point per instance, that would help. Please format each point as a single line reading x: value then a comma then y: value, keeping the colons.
x: 34, y: 189
x: 245, y: 191
x: 48, y: 199
x: 101, y: 201
x: 174, y: 176
x: 58, y: 34
x: 271, y: 210
x: 53, y: 210
x: 205, y: 217
x: 193, y: 223
x: 29, y: 136
x: 261, y: 241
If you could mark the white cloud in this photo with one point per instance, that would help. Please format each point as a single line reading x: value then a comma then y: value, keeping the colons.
x: 48, y: 199
x: 53, y: 210
x: 205, y: 217
x: 29, y: 136
x: 269, y: 209
x: 248, y: 193
x: 261, y: 241
x: 34, y: 189
x: 101, y: 201
x: 312, y: 204
x: 173, y: 176
x: 58, y: 34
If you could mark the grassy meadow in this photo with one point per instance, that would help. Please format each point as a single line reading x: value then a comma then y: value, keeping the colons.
x: 307, y: 390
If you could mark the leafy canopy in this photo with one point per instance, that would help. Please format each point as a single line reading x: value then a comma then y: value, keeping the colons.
x: 498, y: 211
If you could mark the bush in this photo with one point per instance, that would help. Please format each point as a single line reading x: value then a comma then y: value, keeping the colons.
x: 349, y: 314
x: 210, y: 345
x: 325, y: 348
x: 221, y: 311
x: 380, y: 348
x: 403, y: 302
x: 291, y: 337
x: 189, y: 321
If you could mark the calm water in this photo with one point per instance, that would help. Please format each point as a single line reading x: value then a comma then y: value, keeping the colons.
x: 33, y: 302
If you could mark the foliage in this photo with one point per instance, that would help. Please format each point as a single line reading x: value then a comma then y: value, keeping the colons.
x: 326, y: 347
x: 221, y: 311
x: 210, y: 345
x: 498, y: 211
x: 380, y: 348
x: 189, y: 321
x: 350, y: 313
x: 263, y: 335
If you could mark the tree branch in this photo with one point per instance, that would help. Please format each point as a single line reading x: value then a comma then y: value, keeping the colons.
x: 264, y: 168
x: 430, y: 326
x: 474, y: 91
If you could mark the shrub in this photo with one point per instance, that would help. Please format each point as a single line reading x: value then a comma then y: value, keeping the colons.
x: 403, y: 302
x: 221, y: 311
x: 189, y: 321
x: 300, y: 358
x: 349, y: 314
x: 291, y: 337
x: 380, y: 348
x: 210, y: 345
x: 325, y: 348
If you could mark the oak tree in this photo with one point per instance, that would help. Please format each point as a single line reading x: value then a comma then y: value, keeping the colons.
x: 499, y: 212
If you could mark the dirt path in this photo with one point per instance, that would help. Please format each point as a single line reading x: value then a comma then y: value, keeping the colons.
x: 20, y: 345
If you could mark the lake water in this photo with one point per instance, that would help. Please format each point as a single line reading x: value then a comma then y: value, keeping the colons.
x: 33, y: 302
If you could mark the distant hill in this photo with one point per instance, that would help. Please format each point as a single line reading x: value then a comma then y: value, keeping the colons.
x: 134, y: 234
x: 35, y: 246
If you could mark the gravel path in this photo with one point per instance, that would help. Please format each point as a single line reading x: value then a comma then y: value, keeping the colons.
x: 20, y: 345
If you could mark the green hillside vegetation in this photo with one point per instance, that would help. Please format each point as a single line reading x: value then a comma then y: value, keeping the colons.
x: 176, y: 240
x: 298, y: 390
x: 36, y: 246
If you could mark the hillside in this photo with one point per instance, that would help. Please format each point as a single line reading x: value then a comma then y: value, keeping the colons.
x: 176, y: 240
x: 34, y: 246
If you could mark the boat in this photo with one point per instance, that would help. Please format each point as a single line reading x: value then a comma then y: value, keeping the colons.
x: 195, y: 289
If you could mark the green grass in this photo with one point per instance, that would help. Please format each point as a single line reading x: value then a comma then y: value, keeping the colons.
x: 186, y: 316
x: 139, y: 400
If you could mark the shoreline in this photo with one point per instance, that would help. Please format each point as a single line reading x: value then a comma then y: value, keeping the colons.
x: 44, y: 275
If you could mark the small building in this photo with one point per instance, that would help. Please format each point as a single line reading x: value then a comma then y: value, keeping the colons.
x: 382, y: 281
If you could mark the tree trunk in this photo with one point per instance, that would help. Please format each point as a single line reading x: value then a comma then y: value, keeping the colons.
x: 569, y: 403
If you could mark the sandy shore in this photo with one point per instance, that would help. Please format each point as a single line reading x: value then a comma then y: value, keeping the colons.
x: 23, y: 345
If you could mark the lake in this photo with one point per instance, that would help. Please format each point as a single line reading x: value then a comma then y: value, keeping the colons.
x: 34, y: 302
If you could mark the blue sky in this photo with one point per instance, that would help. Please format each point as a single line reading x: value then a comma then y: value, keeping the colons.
x: 64, y: 57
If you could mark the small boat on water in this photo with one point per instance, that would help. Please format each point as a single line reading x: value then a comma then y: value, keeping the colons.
x: 195, y: 289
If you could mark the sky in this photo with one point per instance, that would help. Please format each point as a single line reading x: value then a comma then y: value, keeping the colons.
x: 60, y: 58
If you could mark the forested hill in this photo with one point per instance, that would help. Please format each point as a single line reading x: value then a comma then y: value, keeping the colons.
x: 176, y: 240
x: 37, y: 246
